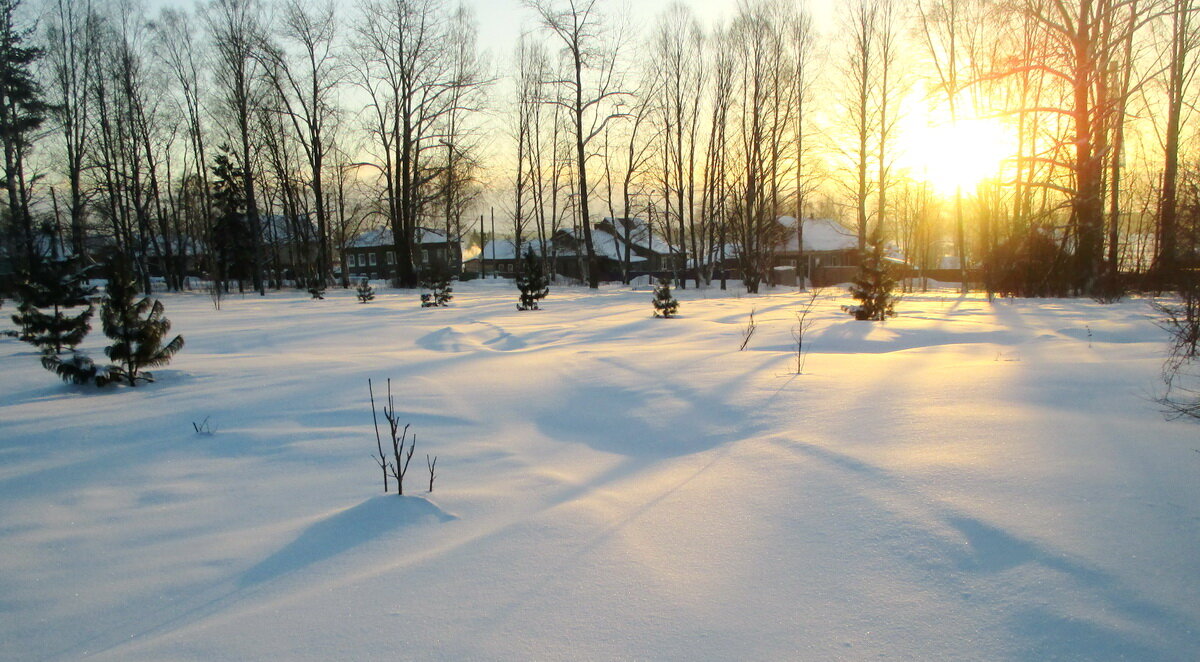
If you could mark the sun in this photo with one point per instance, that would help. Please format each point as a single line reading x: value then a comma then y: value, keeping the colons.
x: 956, y: 156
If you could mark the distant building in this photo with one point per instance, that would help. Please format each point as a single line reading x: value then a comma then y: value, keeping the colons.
x: 372, y: 254
x: 830, y: 252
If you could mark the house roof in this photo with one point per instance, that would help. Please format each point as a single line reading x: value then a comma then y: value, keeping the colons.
x: 383, y: 237
x: 820, y: 234
x: 604, y: 243
x: 505, y: 249
x: 640, y: 234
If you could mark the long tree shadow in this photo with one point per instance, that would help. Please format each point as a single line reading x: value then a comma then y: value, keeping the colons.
x: 990, y: 551
x: 343, y: 531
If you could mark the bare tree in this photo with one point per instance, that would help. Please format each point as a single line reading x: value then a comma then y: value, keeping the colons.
x: 403, y: 68
x: 236, y: 31
x: 763, y: 117
x: 678, y: 46
x: 306, y: 81
x: 182, y: 53
x: 72, y: 40
x: 1180, y: 71
x: 591, y: 83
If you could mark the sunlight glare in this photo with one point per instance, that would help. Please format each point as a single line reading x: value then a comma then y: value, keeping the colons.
x: 950, y: 156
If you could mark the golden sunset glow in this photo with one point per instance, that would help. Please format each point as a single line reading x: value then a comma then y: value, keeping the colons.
x: 953, y: 156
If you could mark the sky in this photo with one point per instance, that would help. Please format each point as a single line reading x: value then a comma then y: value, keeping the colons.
x: 501, y: 21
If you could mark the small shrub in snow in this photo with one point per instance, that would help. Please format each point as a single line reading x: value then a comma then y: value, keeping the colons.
x: 665, y: 305
x: 748, y: 332
x: 203, y: 428
x: 216, y: 292
x: 402, y: 448
x: 1181, y: 320
x: 531, y: 281
x: 803, y: 323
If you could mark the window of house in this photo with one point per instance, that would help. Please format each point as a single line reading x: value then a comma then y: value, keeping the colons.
x: 425, y: 256
x: 391, y: 257
x: 373, y: 259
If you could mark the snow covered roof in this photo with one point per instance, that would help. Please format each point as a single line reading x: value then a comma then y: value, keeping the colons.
x: 506, y: 249
x: 383, y: 237
x: 639, y: 234
x: 820, y: 234
x: 605, y: 244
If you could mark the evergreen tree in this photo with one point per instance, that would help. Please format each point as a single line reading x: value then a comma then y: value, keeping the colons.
x: 435, y: 277
x: 874, y: 286
x: 365, y: 291
x: 137, y: 329
x: 22, y: 112
x: 76, y: 369
x: 531, y: 281
x: 54, y: 310
x: 316, y: 288
x: 232, y: 239
x: 665, y: 305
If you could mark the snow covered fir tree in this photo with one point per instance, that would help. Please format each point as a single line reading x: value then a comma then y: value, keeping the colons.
x: 54, y: 308
x: 874, y: 286
x: 665, y: 305
x: 531, y: 281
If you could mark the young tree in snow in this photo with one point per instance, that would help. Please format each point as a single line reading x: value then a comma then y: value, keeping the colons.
x: 436, y: 278
x: 53, y: 309
x: 365, y: 292
x: 875, y: 284
x: 665, y: 305
x: 137, y: 329
x: 531, y: 282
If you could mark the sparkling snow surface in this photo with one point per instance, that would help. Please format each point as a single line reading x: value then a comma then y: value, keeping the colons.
x: 969, y: 481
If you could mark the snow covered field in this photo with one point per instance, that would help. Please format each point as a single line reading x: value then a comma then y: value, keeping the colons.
x: 969, y: 481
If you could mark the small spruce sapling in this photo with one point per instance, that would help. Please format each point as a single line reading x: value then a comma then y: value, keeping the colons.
x: 874, y: 286
x: 365, y: 291
x: 531, y: 281
x: 316, y: 288
x: 137, y: 329
x: 76, y: 369
x: 435, y: 277
x: 54, y: 309
x: 665, y: 305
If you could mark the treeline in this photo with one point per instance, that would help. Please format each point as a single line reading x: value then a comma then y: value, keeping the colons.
x: 251, y: 140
